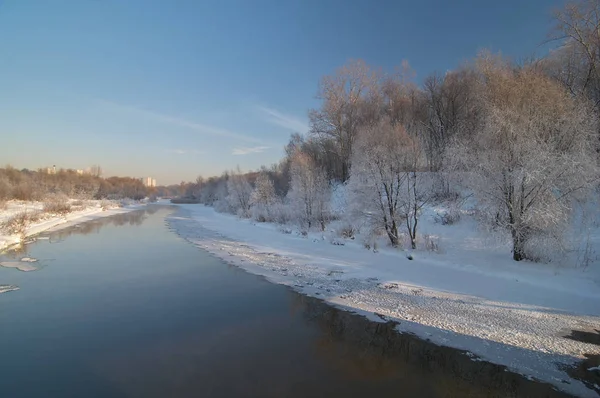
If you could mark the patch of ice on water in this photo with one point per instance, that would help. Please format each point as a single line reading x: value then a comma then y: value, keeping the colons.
x: 8, y: 288
x: 21, y: 266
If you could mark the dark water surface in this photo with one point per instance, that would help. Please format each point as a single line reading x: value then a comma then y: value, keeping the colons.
x: 123, y: 307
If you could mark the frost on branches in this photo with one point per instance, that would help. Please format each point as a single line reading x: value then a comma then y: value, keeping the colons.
x: 239, y: 190
x: 535, y: 150
x: 309, y: 194
x: 263, y: 198
x: 386, y: 186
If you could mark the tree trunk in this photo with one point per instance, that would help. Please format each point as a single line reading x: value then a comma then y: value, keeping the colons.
x: 393, y: 234
x: 518, y: 246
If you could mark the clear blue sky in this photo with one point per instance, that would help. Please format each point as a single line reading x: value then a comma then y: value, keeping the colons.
x: 173, y: 89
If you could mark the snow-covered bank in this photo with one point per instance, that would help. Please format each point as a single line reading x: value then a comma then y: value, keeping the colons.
x: 89, y: 211
x: 517, y: 319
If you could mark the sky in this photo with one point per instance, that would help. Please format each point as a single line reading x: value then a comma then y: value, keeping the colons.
x: 176, y: 89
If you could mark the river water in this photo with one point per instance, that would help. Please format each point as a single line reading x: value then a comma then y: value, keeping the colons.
x: 123, y: 307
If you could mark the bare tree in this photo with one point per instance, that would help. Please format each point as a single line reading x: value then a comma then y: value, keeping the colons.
x: 452, y: 108
x: 239, y: 190
x: 385, y: 185
x: 533, y: 152
x: 263, y: 197
x: 578, y: 66
x: 309, y: 193
x: 340, y: 116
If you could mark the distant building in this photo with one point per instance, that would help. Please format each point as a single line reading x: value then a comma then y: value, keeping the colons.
x: 51, y: 170
x: 149, y: 182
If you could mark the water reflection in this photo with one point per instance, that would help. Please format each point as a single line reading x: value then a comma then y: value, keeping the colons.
x: 132, y: 218
x: 316, y: 350
x: 374, y: 351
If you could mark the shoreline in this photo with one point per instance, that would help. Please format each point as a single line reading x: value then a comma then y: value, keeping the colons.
x: 527, y: 339
x: 7, y: 242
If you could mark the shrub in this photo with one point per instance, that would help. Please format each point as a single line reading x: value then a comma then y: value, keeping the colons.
x: 336, y: 242
x: 281, y: 213
x: 285, y: 230
x: 347, y: 231
x: 431, y: 243
x: 23, y: 191
x: 18, y: 223
x: 107, y: 204
x: 57, y: 204
x: 448, y: 217
x: 5, y: 188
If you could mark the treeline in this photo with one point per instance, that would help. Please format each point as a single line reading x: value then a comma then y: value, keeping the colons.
x: 31, y: 185
x: 523, y: 138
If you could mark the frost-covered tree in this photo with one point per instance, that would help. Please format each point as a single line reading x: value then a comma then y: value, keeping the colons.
x: 239, y: 192
x: 309, y: 193
x: 344, y: 96
x: 386, y: 187
x: 534, y: 151
x: 578, y: 65
x: 263, y: 197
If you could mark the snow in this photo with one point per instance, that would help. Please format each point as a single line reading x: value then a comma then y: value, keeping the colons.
x: 8, y: 288
x: 91, y: 210
x: 470, y: 295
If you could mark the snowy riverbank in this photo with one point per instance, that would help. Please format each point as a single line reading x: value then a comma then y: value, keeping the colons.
x: 469, y: 298
x: 87, y: 211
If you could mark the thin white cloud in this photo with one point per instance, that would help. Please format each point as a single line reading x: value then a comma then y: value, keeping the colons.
x: 200, y: 128
x: 281, y: 119
x: 185, y: 151
x: 249, y: 150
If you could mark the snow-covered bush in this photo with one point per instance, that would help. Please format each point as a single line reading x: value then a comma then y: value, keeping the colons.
x: 223, y: 206
x: 239, y: 192
x: 347, y: 231
x: 309, y: 195
x: 449, y: 216
x: 263, y: 198
x: 57, y: 204
x: 430, y: 243
x: 18, y: 223
x: 336, y: 241
x: 339, y: 200
x: 281, y: 213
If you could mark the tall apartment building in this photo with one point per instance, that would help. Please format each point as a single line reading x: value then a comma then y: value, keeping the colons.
x: 149, y: 181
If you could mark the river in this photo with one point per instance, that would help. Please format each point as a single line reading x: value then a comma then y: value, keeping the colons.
x: 123, y: 307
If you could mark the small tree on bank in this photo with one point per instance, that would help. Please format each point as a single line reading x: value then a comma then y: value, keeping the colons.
x: 263, y: 197
x: 239, y: 192
x: 385, y: 185
x: 309, y: 193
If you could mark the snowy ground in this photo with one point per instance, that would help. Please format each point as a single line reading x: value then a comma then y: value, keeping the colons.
x: 88, y: 210
x: 469, y: 295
